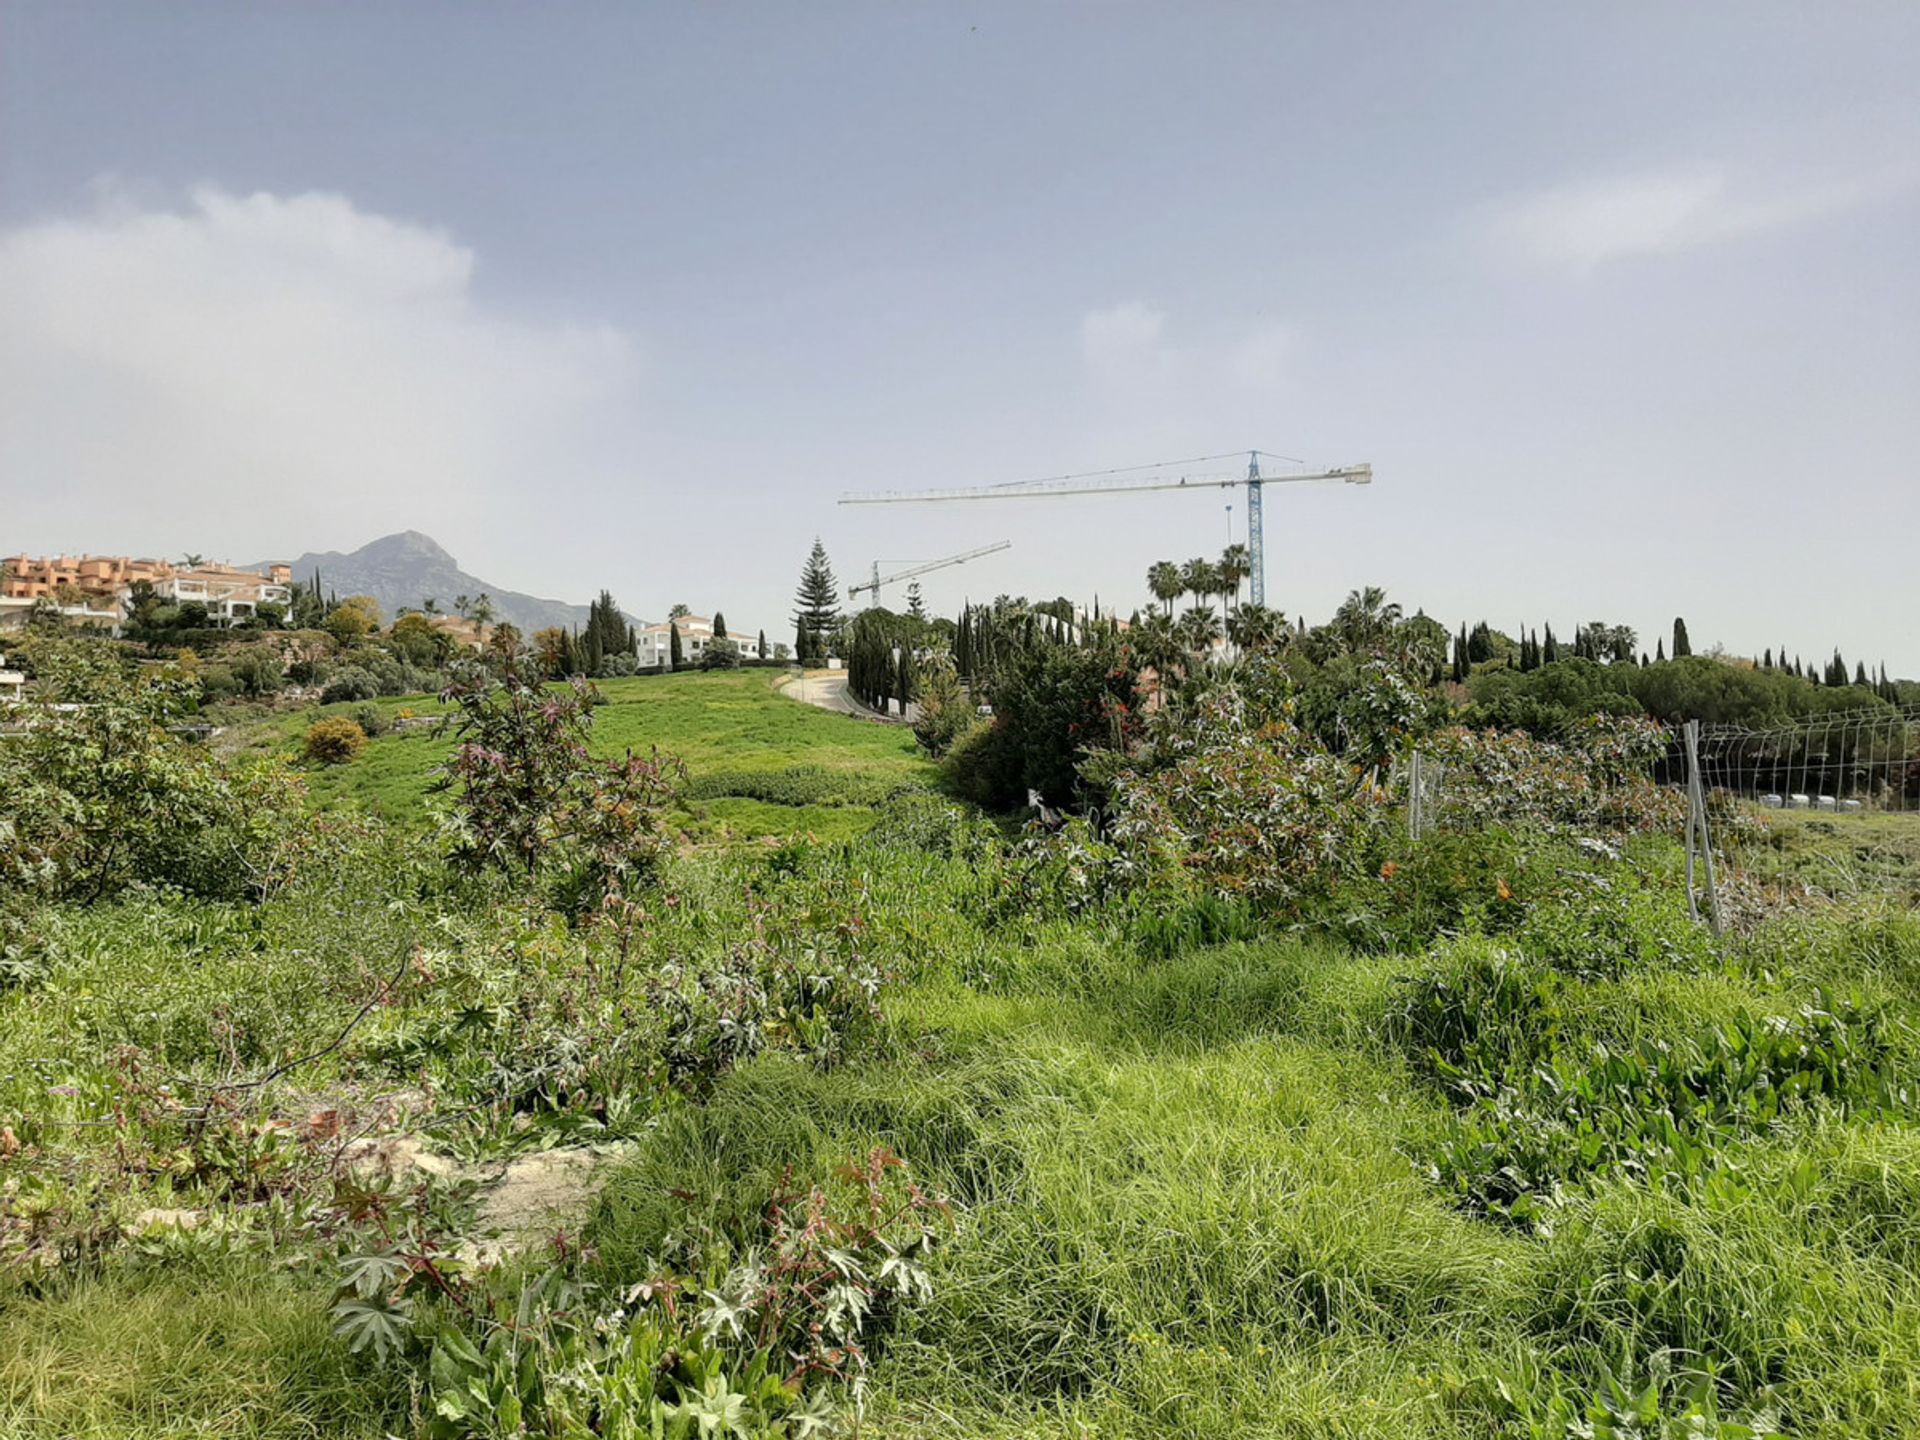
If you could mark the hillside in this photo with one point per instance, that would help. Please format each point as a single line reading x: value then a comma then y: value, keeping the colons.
x: 408, y: 568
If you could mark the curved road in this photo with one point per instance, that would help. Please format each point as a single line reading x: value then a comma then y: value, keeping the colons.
x: 828, y: 690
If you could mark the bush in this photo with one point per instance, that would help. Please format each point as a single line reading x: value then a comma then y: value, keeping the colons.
x: 1052, y: 705
x: 373, y: 720
x: 530, y: 799
x: 349, y: 682
x: 100, y: 796
x: 946, y: 711
x: 1268, y: 814
x: 258, y: 671
x: 334, y: 741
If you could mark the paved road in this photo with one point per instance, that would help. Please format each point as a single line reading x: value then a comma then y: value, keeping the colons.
x: 828, y: 690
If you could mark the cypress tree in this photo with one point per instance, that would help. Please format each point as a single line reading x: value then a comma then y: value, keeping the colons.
x: 1551, y: 650
x: 1660, y: 654
x: 1860, y: 673
x: 1682, y: 647
x: 765, y: 654
x: 719, y: 626
x: 1766, y: 661
x: 675, y: 657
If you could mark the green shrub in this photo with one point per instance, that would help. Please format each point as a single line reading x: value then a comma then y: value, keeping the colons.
x: 372, y: 719
x: 334, y: 740
x: 99, y: 796
x: 350, y: 682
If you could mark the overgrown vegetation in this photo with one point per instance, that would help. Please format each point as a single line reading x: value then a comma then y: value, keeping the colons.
x: 1221, y: 1108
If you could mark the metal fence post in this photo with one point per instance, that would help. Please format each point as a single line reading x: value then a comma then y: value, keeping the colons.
x: 1414, y: 817
x: 1697, y: 827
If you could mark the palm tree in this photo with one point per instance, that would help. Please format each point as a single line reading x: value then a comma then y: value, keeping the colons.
x: 192, y: 560
x: 1364, y: 617
x: 430, y: 606
x: 1198, y: 580
x: 1164, y: 580
x: 1256, y: 628
x: 1198, y: 629
x: 1234, y: 566
x: 1156, y: 641
x: 461, y: 605
x: 482, y: 610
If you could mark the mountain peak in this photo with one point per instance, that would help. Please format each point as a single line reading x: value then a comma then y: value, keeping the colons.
x: 411, y: 543
x: 409, y: 567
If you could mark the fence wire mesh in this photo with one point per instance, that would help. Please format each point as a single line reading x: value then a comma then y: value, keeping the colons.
x: 1823, y: 806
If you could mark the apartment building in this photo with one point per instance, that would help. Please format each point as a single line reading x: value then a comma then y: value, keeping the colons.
x: 696, y: 633
x: 102, y: 577
x: 103, y: 583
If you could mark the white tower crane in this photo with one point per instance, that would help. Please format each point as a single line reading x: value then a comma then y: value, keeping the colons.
x: 1113, y: 482
x: 872, y: 587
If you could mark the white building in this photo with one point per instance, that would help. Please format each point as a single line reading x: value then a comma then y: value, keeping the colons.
x: 655, y: 642
x: 16, y: 611
x: 230, y: 596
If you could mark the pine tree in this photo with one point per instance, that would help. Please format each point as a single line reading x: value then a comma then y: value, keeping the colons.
x: 916, y: 607
x: 1682, y: 647
x: 818, y: 602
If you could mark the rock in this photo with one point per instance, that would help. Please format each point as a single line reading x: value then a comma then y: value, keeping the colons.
x: 537, y: 1192
x: 395, y: 1157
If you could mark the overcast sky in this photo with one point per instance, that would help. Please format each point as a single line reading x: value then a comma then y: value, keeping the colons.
x: 1621, y: 301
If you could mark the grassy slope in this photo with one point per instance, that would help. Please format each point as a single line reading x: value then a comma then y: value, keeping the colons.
x: 719, y: 723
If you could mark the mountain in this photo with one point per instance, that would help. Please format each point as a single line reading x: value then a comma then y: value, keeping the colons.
x: 405, y: 569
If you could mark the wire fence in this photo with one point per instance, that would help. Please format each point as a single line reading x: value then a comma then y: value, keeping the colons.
x: 1824, y: 806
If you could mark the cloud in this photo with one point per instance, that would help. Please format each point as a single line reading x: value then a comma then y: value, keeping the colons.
x: 1126, y: 352
x: 1586, y: 223
x: 246, y: 366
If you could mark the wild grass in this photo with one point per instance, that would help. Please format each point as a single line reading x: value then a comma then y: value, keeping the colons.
x: 1190, y: 1160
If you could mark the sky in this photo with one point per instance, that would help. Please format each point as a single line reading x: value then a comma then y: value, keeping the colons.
x: 1622, y: 301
